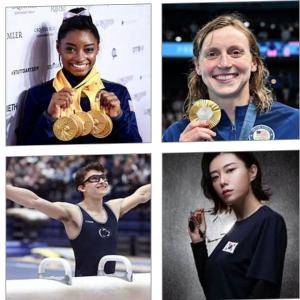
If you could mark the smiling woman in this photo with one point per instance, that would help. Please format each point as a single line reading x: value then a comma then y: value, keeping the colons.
x: 77, y: 106
x: 229, y: 70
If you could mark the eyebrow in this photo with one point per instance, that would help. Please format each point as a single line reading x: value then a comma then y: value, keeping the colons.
x: 86, y: 45
x: 210, y: 48
x: 225, y: 166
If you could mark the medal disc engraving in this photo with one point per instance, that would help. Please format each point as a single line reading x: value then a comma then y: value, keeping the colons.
x: 107, y: 129
x: 65, y: 128
x: 99, y: 120
x: 87, y: 120
x: 205, y: 110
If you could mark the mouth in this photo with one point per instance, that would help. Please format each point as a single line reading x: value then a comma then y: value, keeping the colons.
x: 227, y: 192
x: 101, y: 186
x: 79, y: 67
x: 225, y: 77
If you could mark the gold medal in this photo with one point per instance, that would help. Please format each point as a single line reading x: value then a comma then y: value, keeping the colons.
x: 65, y: 128
x: 87, y: 120
x: 99, y: 121
x: 80, y: 124
x: 107, y: 129
x: 205, y: 110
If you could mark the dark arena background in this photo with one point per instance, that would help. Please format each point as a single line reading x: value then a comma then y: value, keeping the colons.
x: 32, y: 236
x: 275, y: 25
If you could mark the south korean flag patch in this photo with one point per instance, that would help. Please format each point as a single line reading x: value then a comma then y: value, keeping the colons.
x: 230, y: 247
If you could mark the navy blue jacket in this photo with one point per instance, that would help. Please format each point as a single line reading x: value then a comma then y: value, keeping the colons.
x: 35, y: 125
x: 282, y: 119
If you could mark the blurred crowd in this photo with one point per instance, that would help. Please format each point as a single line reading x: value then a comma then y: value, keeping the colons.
x: 52, y: 177
x: 185, y: 31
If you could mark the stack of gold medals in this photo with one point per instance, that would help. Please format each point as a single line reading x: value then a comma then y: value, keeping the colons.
x: 74, y: 122
x: 205, y: 110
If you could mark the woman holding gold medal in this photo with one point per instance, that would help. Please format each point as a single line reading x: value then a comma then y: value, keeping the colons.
x: 228, y: 98
x: 77, y: 106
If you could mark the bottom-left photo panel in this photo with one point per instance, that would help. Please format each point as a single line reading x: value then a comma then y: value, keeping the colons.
x: 78, y: 227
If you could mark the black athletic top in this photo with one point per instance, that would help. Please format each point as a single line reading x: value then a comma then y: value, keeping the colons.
x: 247, y: 261
x: 94, y: 241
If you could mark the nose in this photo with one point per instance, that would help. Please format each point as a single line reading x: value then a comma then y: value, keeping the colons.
x: 80, y: 55
x: 224, y: 61
x: 223, y: 180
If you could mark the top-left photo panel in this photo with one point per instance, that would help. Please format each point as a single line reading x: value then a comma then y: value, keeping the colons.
x: 78, y: 74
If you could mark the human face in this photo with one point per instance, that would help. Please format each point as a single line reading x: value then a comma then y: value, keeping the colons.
x: 78, y: 50
x: 94, y: 183
x: 231, y: 179
x: 225, y: 64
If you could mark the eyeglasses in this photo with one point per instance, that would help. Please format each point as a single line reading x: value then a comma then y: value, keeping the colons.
x: 69, y: 14
x: 95, y: 178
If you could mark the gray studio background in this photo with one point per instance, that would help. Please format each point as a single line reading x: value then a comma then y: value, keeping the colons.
x: 182, y: 193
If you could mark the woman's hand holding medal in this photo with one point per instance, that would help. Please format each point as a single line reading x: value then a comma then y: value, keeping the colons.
x: 197, y: 131
x: 204, y: 115
x: 60, y: 100
x: 109, y: 102
x: 72, y: 122
x: 197, y: 225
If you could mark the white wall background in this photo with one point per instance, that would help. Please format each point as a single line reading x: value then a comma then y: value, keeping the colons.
x: 124, y: 57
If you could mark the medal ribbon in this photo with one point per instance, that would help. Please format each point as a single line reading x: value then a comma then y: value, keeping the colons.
x: 90, y: 86
x: 248, y: 122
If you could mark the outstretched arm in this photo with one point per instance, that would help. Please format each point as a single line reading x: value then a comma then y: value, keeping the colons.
x: 27, y: 198
x: 141, y: 195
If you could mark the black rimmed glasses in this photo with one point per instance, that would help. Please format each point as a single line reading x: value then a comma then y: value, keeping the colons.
x: 95, y: 178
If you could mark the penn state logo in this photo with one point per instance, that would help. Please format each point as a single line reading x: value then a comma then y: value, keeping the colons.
x: 230, y: 247
x: 104, y: 232
x: 261, y: 133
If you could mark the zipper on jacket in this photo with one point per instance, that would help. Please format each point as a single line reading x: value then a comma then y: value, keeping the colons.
x: 233, y: 131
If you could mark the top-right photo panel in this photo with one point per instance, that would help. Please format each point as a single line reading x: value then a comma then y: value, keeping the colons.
x: 230, y: 71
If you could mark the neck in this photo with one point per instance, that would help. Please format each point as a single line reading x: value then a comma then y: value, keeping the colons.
x: 92, y: 204
x: 229, y: 104
x: 246, y: 208
x: 73, y: 80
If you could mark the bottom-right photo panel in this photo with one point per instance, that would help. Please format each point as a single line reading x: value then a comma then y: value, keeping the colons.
x: 231, y: 225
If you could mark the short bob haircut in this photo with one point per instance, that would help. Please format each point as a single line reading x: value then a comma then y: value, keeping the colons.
x: 80, y: 174
x: 249, y: 159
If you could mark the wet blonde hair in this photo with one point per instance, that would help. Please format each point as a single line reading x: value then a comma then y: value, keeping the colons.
x: 259, y: 92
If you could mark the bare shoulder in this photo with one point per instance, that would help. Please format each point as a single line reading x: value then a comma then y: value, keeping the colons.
x: 72, y: 211
x: 115, y: 206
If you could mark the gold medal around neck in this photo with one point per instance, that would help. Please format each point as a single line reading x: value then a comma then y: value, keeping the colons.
x: 99, y: 120
x: 87, y: 120
x: 65, y: 128
x: 80, y: 124
x: 107, y: 129
x: 205, y: 110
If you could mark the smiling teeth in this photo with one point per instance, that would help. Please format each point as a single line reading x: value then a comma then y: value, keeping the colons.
x: 224, y: 77
x: 79, y: 66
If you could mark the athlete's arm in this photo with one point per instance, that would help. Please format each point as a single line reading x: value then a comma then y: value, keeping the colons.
x: 27, y: 198
x: 123, y: 205
x: 141, y: 195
